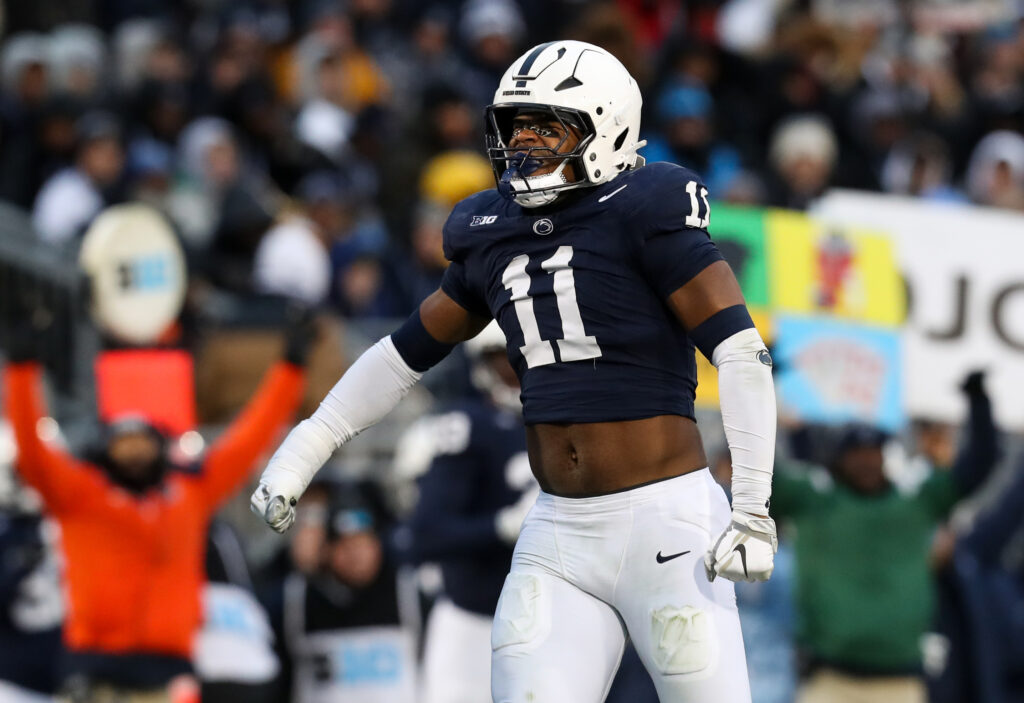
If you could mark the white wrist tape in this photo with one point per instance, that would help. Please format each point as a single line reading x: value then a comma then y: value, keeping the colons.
x: 747, y: 397
x: 369, y: 390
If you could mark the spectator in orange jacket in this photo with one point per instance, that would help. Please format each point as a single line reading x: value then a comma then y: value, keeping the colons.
x: 134, y: 529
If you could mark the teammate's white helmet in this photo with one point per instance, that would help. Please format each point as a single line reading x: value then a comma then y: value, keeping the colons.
x: 490, y: 339
x: 484, y: 376
x: 581, y: 86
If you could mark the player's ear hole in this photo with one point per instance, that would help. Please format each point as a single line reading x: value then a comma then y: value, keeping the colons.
x: 621, y: 138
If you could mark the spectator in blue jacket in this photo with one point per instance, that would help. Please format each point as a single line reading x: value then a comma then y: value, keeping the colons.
x: 686, y: 136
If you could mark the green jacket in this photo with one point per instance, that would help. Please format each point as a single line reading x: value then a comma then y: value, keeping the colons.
x: 864, y: 594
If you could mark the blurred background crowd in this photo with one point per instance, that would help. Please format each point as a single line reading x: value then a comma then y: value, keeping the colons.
x: 314, y: 147
x: 305, y: 154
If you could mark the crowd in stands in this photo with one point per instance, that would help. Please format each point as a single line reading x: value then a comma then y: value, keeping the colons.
x: 314, y: 147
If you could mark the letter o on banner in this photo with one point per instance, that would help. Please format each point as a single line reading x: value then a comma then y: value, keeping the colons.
x: 137, y: 272
x: 999, y: 318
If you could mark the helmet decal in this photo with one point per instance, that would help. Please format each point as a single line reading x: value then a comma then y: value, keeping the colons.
x: 524, y: 72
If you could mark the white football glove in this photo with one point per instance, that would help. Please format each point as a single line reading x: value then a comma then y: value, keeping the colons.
x: 276, y: 497
x: 745, y: 551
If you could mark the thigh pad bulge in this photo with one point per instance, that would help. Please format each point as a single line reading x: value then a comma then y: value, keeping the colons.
x: 523, y: 615
x: 683, y: 639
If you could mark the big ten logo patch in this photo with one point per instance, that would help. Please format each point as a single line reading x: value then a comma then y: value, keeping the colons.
x: 379, y: 664
x: 147, y: 273
x: 482, y: 220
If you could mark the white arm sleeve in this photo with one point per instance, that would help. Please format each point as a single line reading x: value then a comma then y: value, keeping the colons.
x: 369, y: 390
x: 747, y: 397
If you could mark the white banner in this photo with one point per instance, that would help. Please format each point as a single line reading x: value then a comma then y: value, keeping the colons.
x: 964, y: 268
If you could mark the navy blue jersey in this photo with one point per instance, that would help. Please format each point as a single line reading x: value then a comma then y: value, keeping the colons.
x: 580, y: 290
x: 479, y: 467
x: 31, y: 605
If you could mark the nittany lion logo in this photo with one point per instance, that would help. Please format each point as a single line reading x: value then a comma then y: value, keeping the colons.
x: 543, y: 226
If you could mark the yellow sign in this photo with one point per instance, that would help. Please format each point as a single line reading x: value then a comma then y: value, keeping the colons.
x: 847, y: 272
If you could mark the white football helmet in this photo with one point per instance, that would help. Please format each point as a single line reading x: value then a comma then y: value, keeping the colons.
x: 485, y: 378
x: 582, y: 86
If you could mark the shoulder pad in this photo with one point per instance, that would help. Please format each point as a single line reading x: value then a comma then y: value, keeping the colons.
x: 672, y: 198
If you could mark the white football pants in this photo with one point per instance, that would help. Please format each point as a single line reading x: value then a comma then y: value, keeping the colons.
x: 456, y: 656
x: 587, y: 571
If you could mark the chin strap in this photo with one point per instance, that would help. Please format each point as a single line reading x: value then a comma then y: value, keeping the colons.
x: 520, y: 166
x: 517, y: 183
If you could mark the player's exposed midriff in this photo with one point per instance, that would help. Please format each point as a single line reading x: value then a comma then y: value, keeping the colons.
x: 585, y: 459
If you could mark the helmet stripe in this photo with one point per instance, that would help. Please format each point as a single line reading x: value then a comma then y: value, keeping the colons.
x: 524, y: 70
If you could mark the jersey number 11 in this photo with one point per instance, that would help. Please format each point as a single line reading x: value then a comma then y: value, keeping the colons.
x: 575, y: 344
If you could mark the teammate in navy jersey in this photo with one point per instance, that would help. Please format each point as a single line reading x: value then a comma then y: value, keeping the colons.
x: 31, y: 609
x: 479, y: 487
x: 471, y: 504
x: 31, y: 606
x: 602, y: 276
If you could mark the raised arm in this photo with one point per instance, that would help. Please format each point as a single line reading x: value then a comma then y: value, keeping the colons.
x: 981, y: 451
x: 250, y: 435
x: 368, y: 391
x: 61, y: 480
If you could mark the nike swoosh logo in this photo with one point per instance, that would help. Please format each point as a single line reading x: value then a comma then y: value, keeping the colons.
x: 605, y: 197
x: 661, y: 560
x: 742, y: 549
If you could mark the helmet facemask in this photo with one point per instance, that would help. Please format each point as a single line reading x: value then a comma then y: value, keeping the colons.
x: 514, y: 167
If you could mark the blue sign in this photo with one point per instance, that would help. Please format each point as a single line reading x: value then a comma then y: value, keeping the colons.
x: 147, y: 273
x: 834, y: 372
x: 376, y: 663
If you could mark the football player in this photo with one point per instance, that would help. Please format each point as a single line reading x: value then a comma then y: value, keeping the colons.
x: 31, y: 606
x: 600, y: 272
x: 472, y: 501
